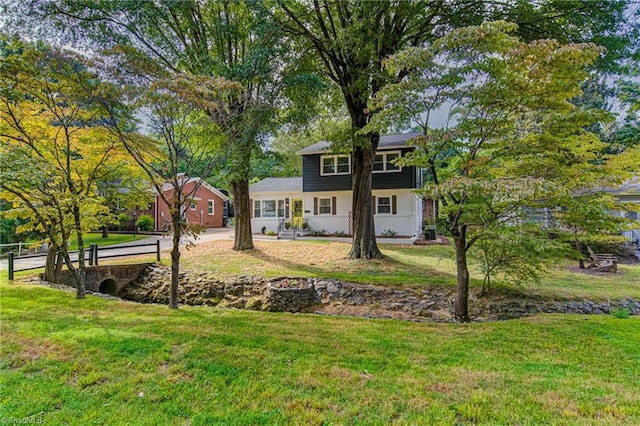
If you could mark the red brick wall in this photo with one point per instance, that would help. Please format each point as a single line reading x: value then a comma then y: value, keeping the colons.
x: 202, y: 195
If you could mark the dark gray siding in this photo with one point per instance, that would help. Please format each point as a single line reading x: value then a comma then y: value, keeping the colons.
x: 312, y: 181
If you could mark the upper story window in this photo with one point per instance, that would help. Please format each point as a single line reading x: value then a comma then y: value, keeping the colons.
x: 383, y: 162
x: 335, y: 165
x: 210, y: 208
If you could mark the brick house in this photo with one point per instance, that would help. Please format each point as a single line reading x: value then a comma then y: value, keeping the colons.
x: 207, y: 206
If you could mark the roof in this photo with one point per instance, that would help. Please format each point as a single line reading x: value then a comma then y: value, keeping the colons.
x: 277, y: 184
x: 168, y: 186
x: 398, y: 140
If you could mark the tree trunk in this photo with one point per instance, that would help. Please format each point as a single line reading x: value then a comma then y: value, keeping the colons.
x: 57, y: 277
x: 462, y: 292
x: 364, y: 245
x: 81, y: 272
x: 105, y: 231
x: 175, y: 259
x: 50, y: 264
x: 242, y: 224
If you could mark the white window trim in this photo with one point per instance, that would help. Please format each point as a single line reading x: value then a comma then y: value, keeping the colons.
x: 193, y: 205
x: 335, y: 165
x: 261, y: 204
x: 385, y: 162
x: 390, y: 213
x: 211, y: 211
x: 330, y: 206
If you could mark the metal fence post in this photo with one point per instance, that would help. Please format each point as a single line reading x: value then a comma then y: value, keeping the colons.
x: 10, y: 265
x: 91, y: 255
x: 95, y: 254
x: 158, y: 250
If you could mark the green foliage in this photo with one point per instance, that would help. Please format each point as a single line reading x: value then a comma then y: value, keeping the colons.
x: 621, y: 313
x: 270, y: 233
x: 388, y: 233
x: 145, y: 223
x: 512, y: 143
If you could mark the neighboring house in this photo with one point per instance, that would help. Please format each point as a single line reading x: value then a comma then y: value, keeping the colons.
x: 208, y: 206
x: 322, y: 197
x: 629, y: 192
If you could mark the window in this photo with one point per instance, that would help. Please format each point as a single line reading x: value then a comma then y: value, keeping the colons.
x: 324, y: 206
x: 211, y: 207
x: 335, y: 165
x: 193, y: 205
x: 384, y: 205
x: 269, y: 208
x: 383, y: 162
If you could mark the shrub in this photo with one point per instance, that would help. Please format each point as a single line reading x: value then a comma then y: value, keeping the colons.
x: 287, y: 225
x: 340, y: 233
x: 145, y: 223
x: 622, y: 313
x: 263, y: 230
x: 270, y: 233
x: 124, y: 222
x: 318, y: 232
x: 388, y: 233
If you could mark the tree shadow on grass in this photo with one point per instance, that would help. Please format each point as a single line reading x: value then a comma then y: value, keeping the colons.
x: 373, y: 271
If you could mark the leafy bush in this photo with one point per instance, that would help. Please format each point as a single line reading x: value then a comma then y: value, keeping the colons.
x: 622, y: 313
x: 145, y: 223
x: 389, y: 233
x: 287, y: 225
x: 263, y: 230
x: 124, y: 222
x: 340, y: 233
x: 270, y: 233
x: 318, y: 232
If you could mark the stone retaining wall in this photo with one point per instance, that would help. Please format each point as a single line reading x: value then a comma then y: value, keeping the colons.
x: 329, y: 296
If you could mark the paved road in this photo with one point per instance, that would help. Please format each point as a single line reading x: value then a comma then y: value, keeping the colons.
x: 165, y: 244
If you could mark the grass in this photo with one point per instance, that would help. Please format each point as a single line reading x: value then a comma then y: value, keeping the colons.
x: 96, y: 238
x: 97, y: 361
x: 417, y: 266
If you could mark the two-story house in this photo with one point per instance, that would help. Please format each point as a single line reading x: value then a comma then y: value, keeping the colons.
x: 322, y: 197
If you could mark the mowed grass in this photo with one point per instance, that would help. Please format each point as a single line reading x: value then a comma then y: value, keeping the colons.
x: 415, y: 266
x: 96, y: 238
x: 97, y: 361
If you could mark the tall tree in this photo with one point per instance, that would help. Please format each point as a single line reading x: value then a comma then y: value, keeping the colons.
x: 229, y: 39
x: 351, y: 39
x: 182, y: 143
x: 54, y: 146
x: 512, y: 143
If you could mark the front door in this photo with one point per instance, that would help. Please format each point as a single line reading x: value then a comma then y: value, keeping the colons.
x: 297, y: 212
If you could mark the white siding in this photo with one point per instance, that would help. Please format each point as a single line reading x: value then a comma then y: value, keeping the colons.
x: 270, y: 223
x: 406, y: 221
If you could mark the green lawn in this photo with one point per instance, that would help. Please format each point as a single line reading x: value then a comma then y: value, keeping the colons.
x: 96, y: 238
x: 417, y: 266
x: 96, y: 361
